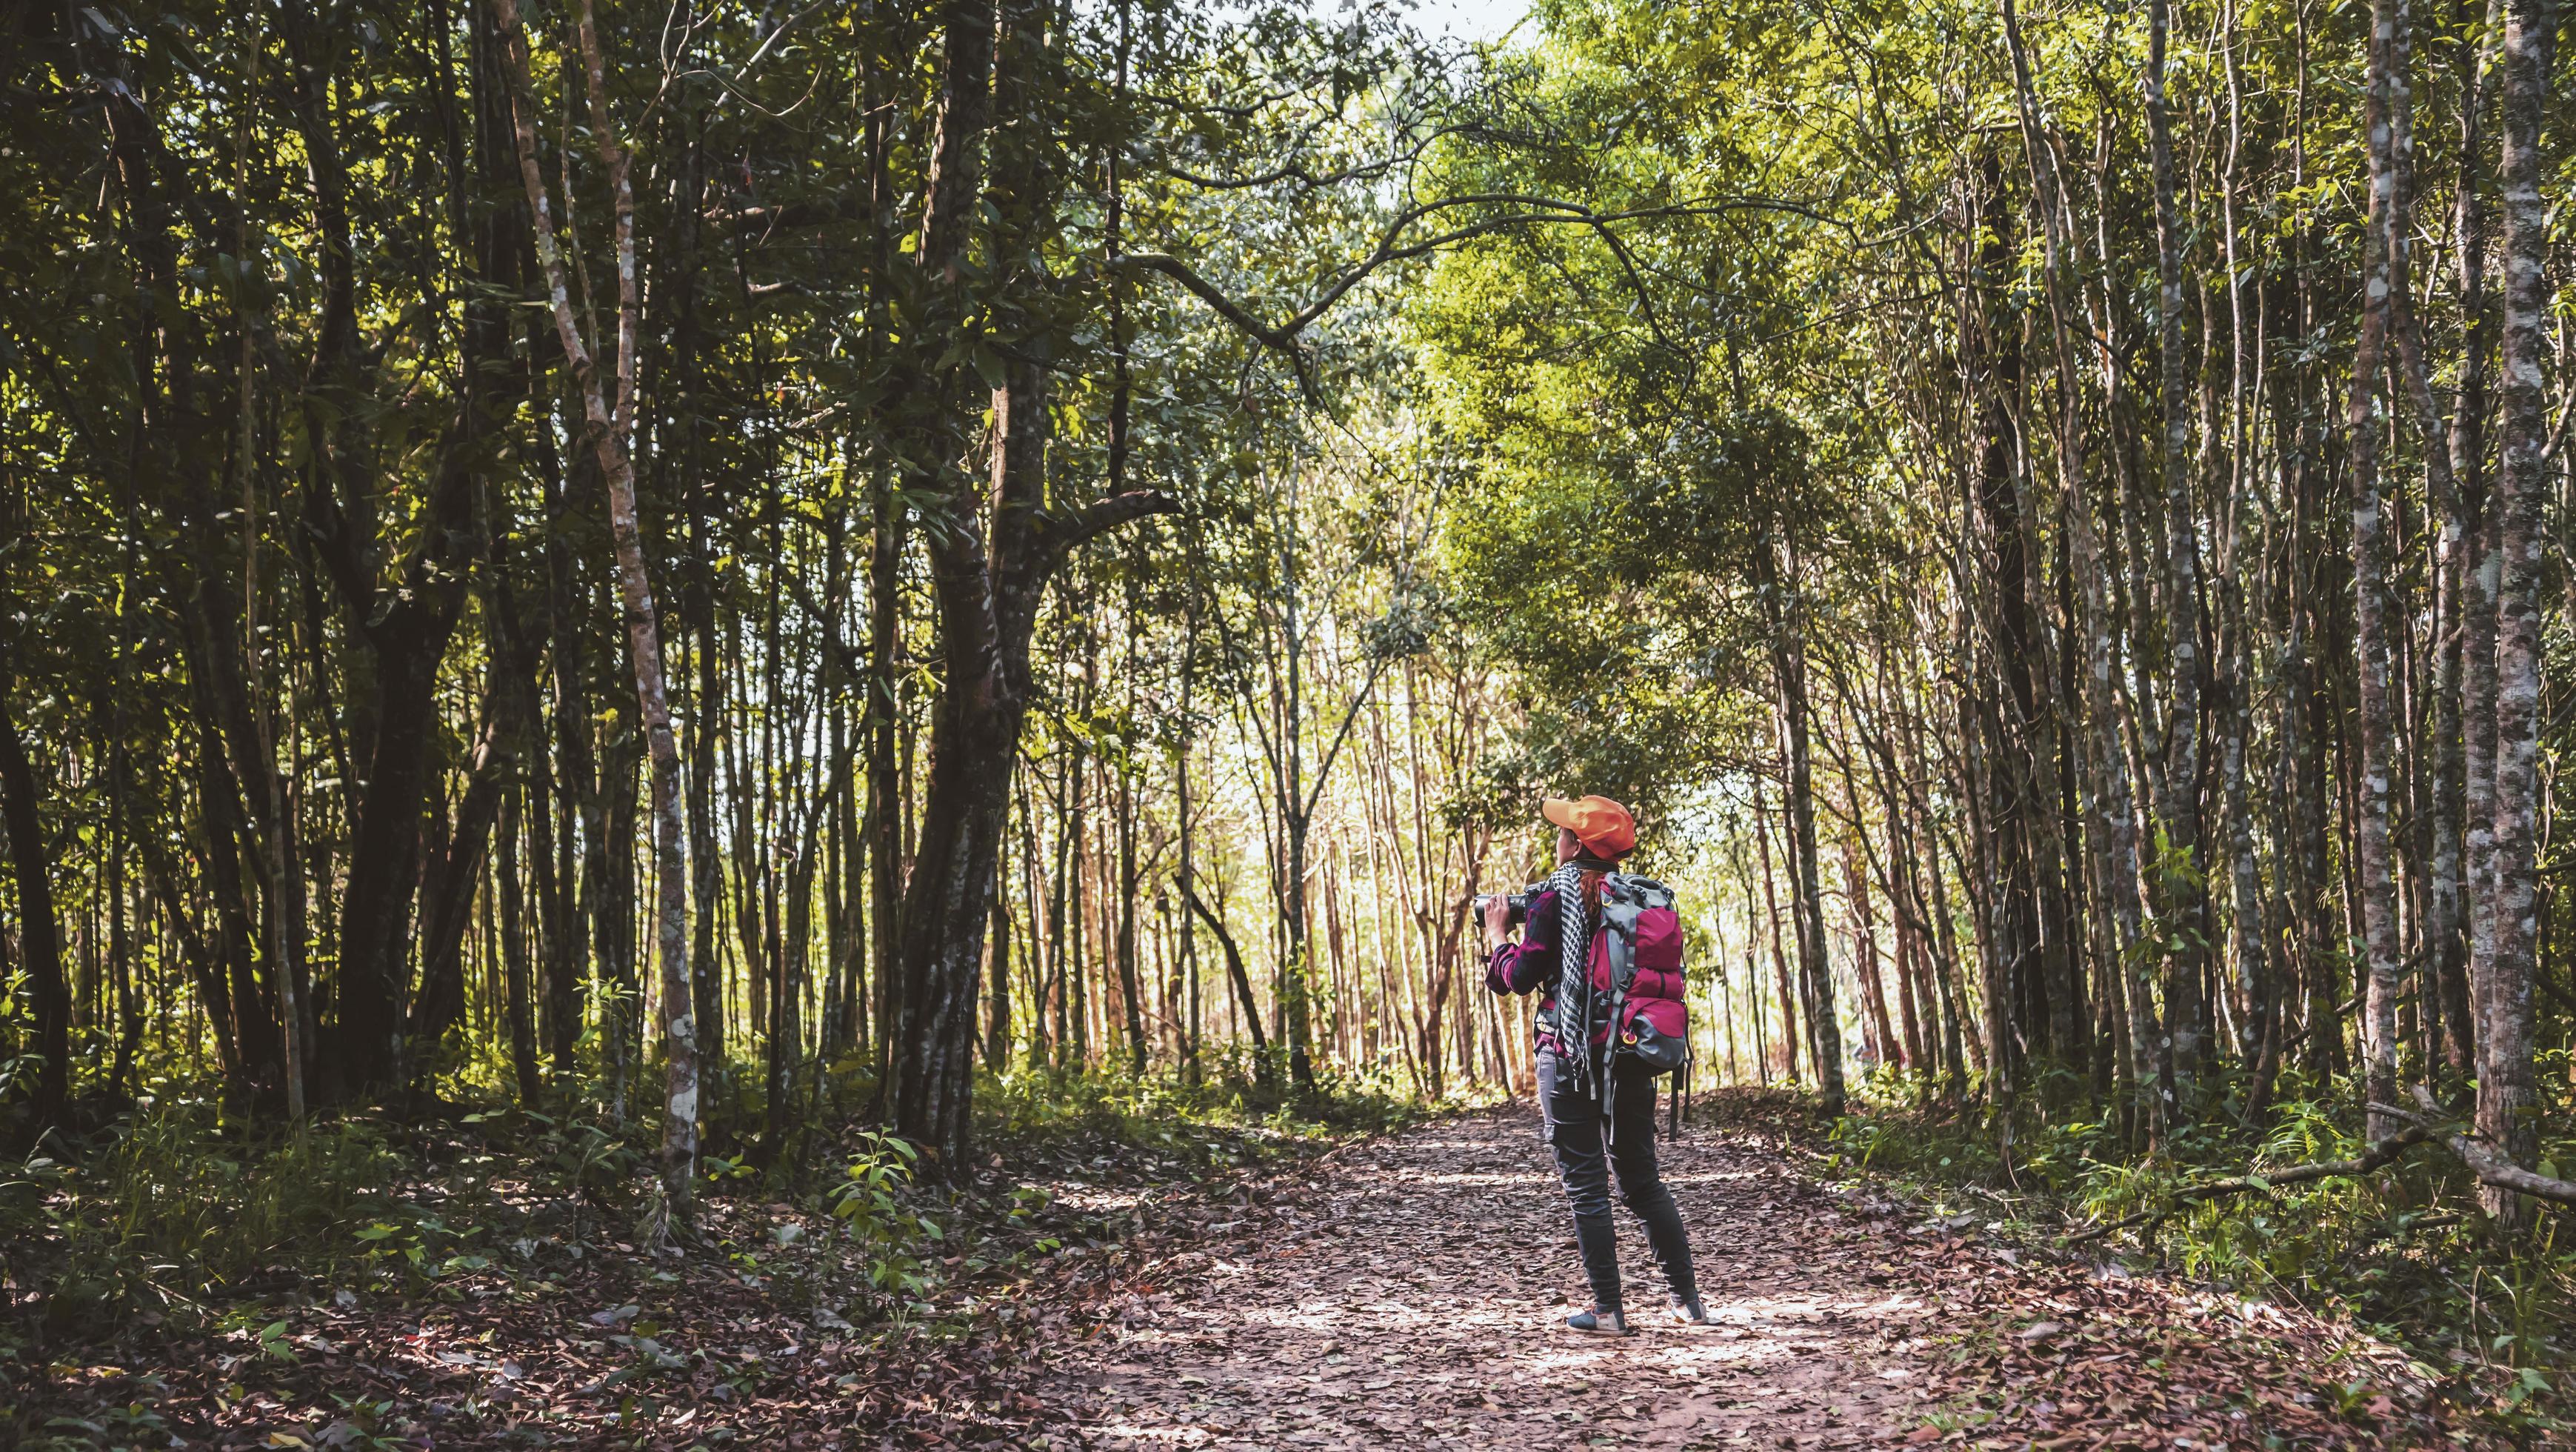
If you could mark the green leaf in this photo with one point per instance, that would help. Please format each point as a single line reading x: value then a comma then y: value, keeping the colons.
x: 988, y: 366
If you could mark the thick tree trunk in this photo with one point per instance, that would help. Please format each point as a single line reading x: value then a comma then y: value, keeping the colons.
x: 988, y: 600
x: 367, y: 1050
x: 406, y: 628
x: 974, y: 738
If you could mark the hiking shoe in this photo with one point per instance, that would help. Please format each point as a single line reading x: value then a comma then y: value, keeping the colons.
x: 1688, y: 1311
x: 1599, y: 1323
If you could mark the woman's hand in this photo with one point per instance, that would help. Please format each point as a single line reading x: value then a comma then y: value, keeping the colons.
x: 1498, y: 920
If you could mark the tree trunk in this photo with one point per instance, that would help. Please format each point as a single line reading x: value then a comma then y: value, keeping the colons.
x: 2185, y: 892
x: 997, y: 1016
x: 1789, y: 676
x: 1242, y: 981
x: 611, y: 429
x: 2508, y: 1102
x: 2114, y: 836
x: 40, y: 943
x: 514, y: 949
x: 1789, y: 1018
x: 2370, y: 590
x: 706, y: 721
x: 1131, y: 988
x: 884, y: 825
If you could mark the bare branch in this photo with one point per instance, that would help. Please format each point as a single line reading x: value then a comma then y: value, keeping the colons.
x: 2489, y: 1166
x: 2379, y: 1153
x: 1531, y: 210
x: 1066, y: 531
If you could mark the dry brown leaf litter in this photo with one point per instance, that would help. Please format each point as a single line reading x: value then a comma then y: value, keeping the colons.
x: 1414, y: 1292
x: 1406, y: 1292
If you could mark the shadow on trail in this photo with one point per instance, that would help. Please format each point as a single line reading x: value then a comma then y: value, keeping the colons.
x: 1415, y: 1296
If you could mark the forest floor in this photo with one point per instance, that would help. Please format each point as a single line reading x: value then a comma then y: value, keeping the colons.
x: 1411, y: 1292
x: 1401, y: 1290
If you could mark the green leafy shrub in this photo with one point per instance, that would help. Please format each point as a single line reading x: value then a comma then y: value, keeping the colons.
x: 872, y: 1208
x: 2404, y: 1252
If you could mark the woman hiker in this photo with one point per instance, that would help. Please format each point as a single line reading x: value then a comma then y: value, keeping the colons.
x: 1598, y: 1122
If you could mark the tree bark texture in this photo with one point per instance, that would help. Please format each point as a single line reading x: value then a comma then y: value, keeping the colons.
x: 2508, y: 1102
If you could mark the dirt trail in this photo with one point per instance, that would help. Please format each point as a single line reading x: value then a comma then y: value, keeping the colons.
x: 1417, y: 1297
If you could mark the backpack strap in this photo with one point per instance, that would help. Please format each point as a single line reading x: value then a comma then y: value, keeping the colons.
x: 1619, y: 909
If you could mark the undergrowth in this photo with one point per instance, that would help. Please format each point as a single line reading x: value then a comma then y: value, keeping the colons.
x: 2404, y: 1255
x: 1161, y: 1122
x: 177, y: 1218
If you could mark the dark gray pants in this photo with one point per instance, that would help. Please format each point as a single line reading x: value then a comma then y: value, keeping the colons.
x: 1589, y: 1149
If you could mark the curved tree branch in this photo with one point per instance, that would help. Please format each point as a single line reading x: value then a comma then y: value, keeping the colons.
x: 1065, y: 531
x: 1530, y: 210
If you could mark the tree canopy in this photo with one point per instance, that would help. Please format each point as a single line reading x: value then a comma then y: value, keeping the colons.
x: 732, y: 574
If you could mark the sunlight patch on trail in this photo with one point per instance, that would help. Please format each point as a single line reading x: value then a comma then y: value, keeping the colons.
x: 1416, y: 1297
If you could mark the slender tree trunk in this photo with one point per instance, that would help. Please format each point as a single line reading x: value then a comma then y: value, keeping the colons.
x: 885, y: 783
x: 2370, y: 588
x: 706, y: 713
x: 40, y: 942
x: 1242, y: 981
x: 2508, y: 1101
x: 1884, y: 1041
x: 2114, y: 835
x: 2443, y: 986
x: 611, y: 429
x: 2464, y: 731
x: 1131, y: 987
x: 514, y: 949
x: 440, y: 1003
x: 997, y: 1017
x: 1188, y: 865
x: 1789, y: 1020
x: 1789, y: 674
x: 2186, y: 891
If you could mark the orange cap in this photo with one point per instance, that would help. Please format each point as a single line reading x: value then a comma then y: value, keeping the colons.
x: 1598, y: 823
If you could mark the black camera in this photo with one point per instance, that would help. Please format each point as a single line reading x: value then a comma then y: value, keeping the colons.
x: 1520, y: 902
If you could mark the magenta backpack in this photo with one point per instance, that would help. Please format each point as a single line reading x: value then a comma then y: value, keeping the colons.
x: 1637, y: 964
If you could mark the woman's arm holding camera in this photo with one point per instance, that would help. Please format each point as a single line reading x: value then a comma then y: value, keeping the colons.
x: 1520, y: 967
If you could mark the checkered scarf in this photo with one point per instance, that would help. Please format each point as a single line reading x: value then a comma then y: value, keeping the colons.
x: 1573, y: 981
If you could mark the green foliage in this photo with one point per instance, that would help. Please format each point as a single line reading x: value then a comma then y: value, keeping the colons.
x: 2402, y: 1252
x: 176, y: 1208
x: 177, y: 1213
x: 870, y: 1205
x: 1228, y: 1119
